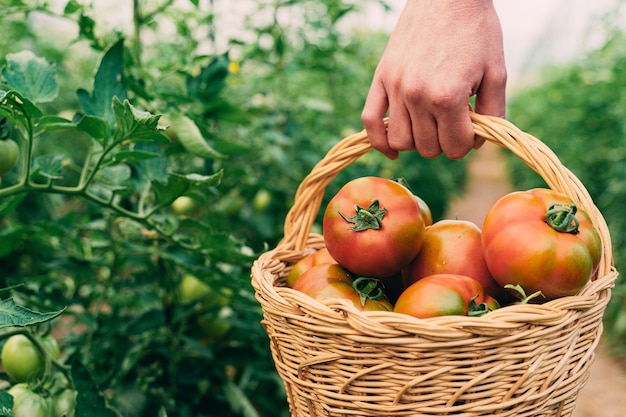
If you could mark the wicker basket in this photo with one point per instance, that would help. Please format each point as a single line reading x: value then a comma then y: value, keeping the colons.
x: 521, y: 360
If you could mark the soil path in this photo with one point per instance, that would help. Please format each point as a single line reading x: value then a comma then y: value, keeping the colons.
x: 604, y: 395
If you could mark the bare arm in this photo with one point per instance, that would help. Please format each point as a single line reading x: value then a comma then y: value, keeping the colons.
x: 440, y: 53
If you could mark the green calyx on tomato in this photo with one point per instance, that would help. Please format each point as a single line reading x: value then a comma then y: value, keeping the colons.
x: 370, y: 218
x: 368, y: 289
x: 562, y: 217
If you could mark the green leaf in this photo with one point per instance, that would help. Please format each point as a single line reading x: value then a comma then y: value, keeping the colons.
x: 198, y: 236
x: 18, y: 106
x: 207, y: 85
x: 11, y: 238
x: 190, y: 136
x: 178, y: 185
x: 6, y: 404
x: 7, y: 205
x: 96, y: 127
x: 133, y: 124
x: 90, y: 402
x: 12, y: 315
x: 108, y: 84
x: 32, y: 76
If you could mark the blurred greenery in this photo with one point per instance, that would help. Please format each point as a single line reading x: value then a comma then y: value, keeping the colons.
x: 579, y: 111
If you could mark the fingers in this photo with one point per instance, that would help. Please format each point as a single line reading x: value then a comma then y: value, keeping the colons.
x: 374, y: 111
x: 491, y: 95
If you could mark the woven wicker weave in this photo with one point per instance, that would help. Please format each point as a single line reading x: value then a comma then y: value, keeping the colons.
x: 521, y: 360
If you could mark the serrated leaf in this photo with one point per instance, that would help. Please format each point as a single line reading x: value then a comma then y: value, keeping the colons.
x: 178, y: 185
x: 190, y: 136
x: 108, y: 84
x: 33, y: 77
x: 136, y: 125
x: 12, y: 315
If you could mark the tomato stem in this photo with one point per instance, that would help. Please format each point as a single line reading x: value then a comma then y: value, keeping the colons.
x: 368, y: 288
x: 521, y: 294
x: 477, y: 310
x: 370, y: 218
x: 562, y: 217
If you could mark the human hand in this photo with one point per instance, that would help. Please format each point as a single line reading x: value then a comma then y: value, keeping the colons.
x: 439, y: 55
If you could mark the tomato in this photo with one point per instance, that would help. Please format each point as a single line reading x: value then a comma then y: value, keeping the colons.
x: 27, y: 403
x: 452, y: 247
x: 9, y: 152
x: 322, y: 256
x: 327, y: 281
x: 184, y: 205
x: 445, y: 295
x: 64, y: 403
x: 538, y: 239
x: 191, y: 289
x: 373, y: 227
x: 262, y: 200
x: 425, y: 211
x: 21, y: 359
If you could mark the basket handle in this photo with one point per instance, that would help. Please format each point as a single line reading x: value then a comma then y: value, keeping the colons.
x: 530, y: 150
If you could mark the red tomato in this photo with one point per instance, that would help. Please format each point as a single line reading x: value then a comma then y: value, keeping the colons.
x: 539, y: 240
x: 452, y: 247
x: 427, y: 214
x: 319, y: 257
x: 373, y: 227
x: 326, y: 281
x: 445, y: 295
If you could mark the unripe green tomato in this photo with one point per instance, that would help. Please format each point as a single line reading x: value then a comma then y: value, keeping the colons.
x: 192, y: 289
x: 22, y: 361
x: 9, y: 152
x: 184, y: 205
x: 64, y: 403
x: 262, y: 199
x: 27, y: 403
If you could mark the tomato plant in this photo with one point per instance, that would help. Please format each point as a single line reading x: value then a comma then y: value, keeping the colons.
x: 540, y: 240
x: 445, y: 295
x: 327, y: 281
x: 22, y: 360
x: 452, y: 247
x: 373, y: 227
x: 321, y: 256
x: 27, y: 403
